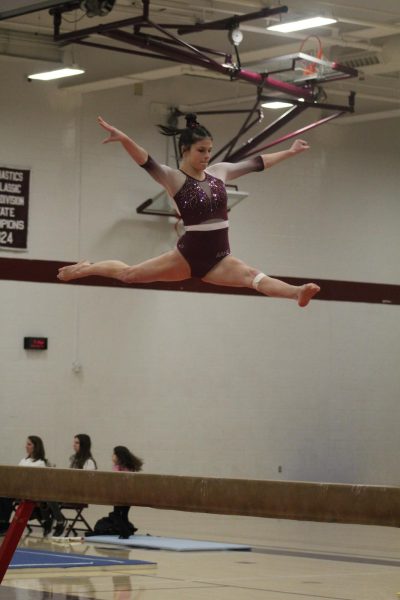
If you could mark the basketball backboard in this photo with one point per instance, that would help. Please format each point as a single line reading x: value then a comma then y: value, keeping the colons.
x: 300, y: 69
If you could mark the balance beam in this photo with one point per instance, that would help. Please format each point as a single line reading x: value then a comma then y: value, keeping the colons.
x: 305, y: 501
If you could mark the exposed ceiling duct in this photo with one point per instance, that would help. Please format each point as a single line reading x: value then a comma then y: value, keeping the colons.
x: 385, y: 61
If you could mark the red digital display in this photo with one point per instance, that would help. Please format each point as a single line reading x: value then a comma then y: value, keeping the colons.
x: 35, y: 343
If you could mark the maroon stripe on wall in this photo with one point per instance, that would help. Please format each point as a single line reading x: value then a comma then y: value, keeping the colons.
x: 45, y: 271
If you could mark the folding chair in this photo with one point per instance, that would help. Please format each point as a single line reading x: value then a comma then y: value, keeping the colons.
x: 75, y: 522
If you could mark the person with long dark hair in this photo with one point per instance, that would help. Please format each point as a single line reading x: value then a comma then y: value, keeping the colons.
x: 124, y: 460
x: 82, y: 457
x: 46, y: 512
x: 200, y: 197
x: 35, y: 453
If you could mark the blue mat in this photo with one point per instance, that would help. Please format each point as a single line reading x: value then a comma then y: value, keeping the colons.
x: 31, y: 559
x: 162, y: 543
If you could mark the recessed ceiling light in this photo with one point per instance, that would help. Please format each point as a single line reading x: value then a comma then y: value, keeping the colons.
x: 301, y: 24
x: 276, y: 104
x: 56, y: 74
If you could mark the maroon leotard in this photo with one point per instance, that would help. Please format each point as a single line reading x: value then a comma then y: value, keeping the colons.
x: 200, y: 203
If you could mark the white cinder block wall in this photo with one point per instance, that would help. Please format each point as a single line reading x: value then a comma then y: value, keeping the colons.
x: 217, y: 385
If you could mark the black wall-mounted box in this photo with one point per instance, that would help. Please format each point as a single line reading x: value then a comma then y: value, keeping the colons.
x: 35, y: 343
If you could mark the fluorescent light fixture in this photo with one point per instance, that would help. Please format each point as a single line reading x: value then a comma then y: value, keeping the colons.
x: 57, y: 74
x: 276, y: 104
x: 302, y: 24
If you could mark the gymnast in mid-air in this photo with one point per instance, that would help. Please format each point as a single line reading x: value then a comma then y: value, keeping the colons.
x: 199, y: 195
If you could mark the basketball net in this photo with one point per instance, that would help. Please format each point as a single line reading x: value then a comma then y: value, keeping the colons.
x: 314, y: 48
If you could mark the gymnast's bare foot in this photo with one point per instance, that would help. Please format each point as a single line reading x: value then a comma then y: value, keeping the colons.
x: 306, y: 292
x: 73, y: 271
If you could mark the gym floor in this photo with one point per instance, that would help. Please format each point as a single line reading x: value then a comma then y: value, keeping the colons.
x: 289, y: 560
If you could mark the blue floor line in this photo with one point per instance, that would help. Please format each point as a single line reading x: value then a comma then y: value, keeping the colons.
x: 31, y: 559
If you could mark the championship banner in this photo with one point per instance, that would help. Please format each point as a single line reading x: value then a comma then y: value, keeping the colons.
x: 14, y: 205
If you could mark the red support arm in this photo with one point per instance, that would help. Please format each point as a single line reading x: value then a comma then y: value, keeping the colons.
x: 13, y: 535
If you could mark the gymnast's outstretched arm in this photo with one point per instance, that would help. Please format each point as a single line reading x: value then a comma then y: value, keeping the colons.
x: 139, y: 154
x: 229, y: 171
x: 297, y: 147
x: 170, y: 179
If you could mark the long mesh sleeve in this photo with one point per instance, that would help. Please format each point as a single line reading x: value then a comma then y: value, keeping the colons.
x: 228, y: 171
x: 171, y: 179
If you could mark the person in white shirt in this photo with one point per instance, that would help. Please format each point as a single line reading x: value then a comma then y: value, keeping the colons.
x: 46, y: 513
x: 82, y: 457
x: 35, y: 453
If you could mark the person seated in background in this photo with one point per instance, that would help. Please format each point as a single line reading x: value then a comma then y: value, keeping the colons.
x: 82, y: 457
x: 124, y: 460
x: 35, y: 453
x: 117, y: 522
x: 46, y: 512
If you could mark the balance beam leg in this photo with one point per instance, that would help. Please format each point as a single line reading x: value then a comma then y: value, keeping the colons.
x: 14, y: 534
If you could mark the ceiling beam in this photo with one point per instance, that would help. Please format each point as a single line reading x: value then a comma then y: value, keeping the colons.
x: 376, y: 116
x: 29, y: 46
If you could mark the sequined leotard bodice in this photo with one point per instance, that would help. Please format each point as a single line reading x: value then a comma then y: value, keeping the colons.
x: 201, y: 201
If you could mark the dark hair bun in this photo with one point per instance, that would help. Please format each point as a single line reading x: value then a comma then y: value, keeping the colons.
x: 191, y: 121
